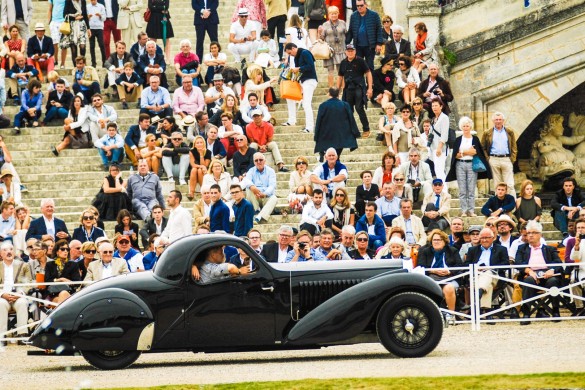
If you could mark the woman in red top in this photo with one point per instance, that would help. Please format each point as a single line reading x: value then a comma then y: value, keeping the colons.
x: 15, y: 46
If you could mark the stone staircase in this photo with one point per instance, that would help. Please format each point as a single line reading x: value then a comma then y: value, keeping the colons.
x: 74, y: 177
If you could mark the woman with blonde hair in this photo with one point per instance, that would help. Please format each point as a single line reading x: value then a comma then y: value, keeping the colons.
x: 333, y: 33
x: 88, y: 252
x: 343, y: 212
x: 528, y: 206
x: 401, y: 189
x: 216, y: 174
x: 300, y: 184
x: 296, y: 34
x: 152, y: 153
x: 87, y: 231
x: 230, y: 104
x: 199, y: 159
x: 387, y: 122
x: 256, y: 84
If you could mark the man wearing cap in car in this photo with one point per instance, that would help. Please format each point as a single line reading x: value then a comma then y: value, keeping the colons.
x: 40, y: 50
x: 261, y: 136
x: 187, y: 99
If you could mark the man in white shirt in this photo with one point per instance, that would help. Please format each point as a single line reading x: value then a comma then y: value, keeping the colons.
x: 417, y: 173
x: 215, y: 95
x: 252, y: 104
x: 180, y: 220
x: 242, y: 37
x: 7, y: 221
x: 47, y: 227
x: 316, y: 215
x: 100, y: 115
x: 107, y: 265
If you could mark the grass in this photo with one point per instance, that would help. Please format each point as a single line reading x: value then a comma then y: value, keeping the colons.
x: 532, y: 381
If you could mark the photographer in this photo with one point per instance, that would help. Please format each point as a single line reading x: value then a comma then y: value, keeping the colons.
x: 435, y: 86
x: 302, y: 250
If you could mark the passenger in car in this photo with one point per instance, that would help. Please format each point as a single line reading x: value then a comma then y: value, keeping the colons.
x: 302, y: 250
x: 242, y: 259
x: 212, y: 266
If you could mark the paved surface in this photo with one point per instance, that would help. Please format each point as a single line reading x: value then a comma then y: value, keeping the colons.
x: 504, y: 348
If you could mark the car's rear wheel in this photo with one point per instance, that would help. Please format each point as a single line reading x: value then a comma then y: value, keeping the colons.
x: 409, y: 325
x: 110, y: 360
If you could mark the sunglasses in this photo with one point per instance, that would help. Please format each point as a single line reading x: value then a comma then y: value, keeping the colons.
x: 401, y: 63
x: 362, y: 239
x: 243, y: 16
x: 258, y: 160
x: 301, y: 163
x: 177, y: 139
x: 90, y: 251
x: 124, y: 242
x: 489, y: 224
x: 64, y: 249
x: 417, y: 104
x: 91, y: 217
x: 361, y: 6
x: 107, y: 252
x: 398, y: 179
x: 437, y: 185
x: 240, y: 140
x: 96, y: 100
x: 342, y: 195
x: 386, y: 21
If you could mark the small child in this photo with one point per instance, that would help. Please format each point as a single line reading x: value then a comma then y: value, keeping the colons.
x: 267, y: 47
x: 129, y: 85
x: 96, y: 14
x: 53, y: 76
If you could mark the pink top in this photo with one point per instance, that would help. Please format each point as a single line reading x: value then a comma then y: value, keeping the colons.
x: 256, y: 11
x: 191, y: 104
x: 537, y: 261
x: 182, y: 59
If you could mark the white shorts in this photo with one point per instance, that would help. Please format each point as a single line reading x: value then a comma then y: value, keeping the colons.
x: 55, y: 34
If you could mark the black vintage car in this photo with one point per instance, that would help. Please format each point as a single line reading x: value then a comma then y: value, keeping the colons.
x: 275, y: 307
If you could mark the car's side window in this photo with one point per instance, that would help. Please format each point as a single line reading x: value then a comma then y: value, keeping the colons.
x: 222, y: 262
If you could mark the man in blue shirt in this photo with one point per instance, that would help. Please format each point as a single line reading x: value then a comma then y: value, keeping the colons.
x: 155, y: 100
x: 302, y: 250
x: 243, y: 211
x: 219, y: 214
x: 260, y: 185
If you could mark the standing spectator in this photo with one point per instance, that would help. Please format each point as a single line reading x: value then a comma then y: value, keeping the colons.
x: 135, y: 139
x: 156, y: 100
x: 76, y: 128
x: 19, y: 76
x: 206, y: 20
x: 159, y: 26
x: 333, y: 33
x: 85, y: 79
x: 316, y: 214
x: 412, y: 225
x: 187, y: 64
x: 260, y: 184
x: 243, y: 158
x: 100, y: 115
x: 130, y: 19
x: 315, y: 22
x: 175, y: 159
x: 371, y: 223
x: 397, y: 46
x: 56, y: 17
x: 388, y: 204
x: 242, y: 37
x: 276, y: 252
x: 113, y: 8
x: 180, y: 221
x: 466, y: 147
x: 40, y: 51
x: 202, y: 207
x: 76, y: 10
x: 115, y: 64
x: 440, y: 131
x: 261, y: 136
x: 111, y: 146
x: 424, y: 48
x: 152, y: 63
x: 129, y: 86
x: 343, y: 213
x: 58, y: 102
x: 295, y: 33
x: 31, y: 106
x: 366, y: 192
x: 47, y: 226
x: 243, y: 211
x: 436, y: 207
x: 276, y: 20
x: 528, y: 206
x: 435, y: 87
x: 17, y: 13
x: 154, y: 226
x: 199, y: 160
x: 331, y: 175
x: 215, y: 60
x: 304, y: 62
x: 145, y: 191
x: 131, y: 255
x: 188, y: 99
x: 112, y: 196
x: 387, y: 23
x: 499, y: 145
x: 566, y: 205
x: 500, y: 203
x: 384, y: 79
x: 383, y: 174
x: 351, y: 78
x: 96, y: 13
x: 366, y: 32
x: 335, y: 126
x: 219, y: 213
x: 405, y: 135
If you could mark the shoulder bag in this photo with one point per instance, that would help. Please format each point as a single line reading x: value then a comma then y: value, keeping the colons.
x: 477, y: 165
x: 65, y: 27
x: 318, y: 14
x: 321, y: 50
x: 147, y: 15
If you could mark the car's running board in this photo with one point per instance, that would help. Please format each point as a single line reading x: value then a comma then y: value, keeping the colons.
x: 52, y: 352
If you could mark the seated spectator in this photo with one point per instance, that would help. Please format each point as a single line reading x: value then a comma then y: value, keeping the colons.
x: 457, y: 226
x: 252, y: 105
x: 566, y: 205
x: 277, y: 251
x: 435, y: 86
x: 411, y: 224
x: 228, y: 132
x: 218, y: 152
x: 418, y: 116
x: 87, y: 230
x: 126, y: 227
x: 261, y: 135
x: 383, y: 79
x: 100, y: 116
x: 417, y: 173
x: 505, y: 226
x: 347, y: 240
x: 436, y: 258
x: 219, y: 213
x: 256, y: 84
x: 85, y: 80
x: 135, y: 139
x: 215, y: 61
x: 242, y: 37
x: 260, y: 185
x: 388, y: 204
x: 40, y: 50
x: 436, y: 207
x: 8, y: 222
x: 255, y: 240
x: 424, y: 48
x: 61, y: 269
x: 139, y: 47
x: 76, y: 128
x: 10, y: 186
x: 21, y: 225
x: 155, y: 99
x: 407, y: 79
x: 543, y: 268
x: 243, y: 159
x: 397, y: 46
x: 384, y: 252
x: 328, y: 249
x: 366, y: 192
x: 199, y: 159
x: 88, y: 251
x: 201, y: 127
x: 383, y: 173
x: 230, y: 104
x: 152, y: 153
x: 58, y: 103
x: 31, y: 104
x: 14, y: 271
x: 188, y: 99
x: 215, y: 95
x: 154, y: 226
x: 300, y: 179
x: 393, y: 250
x: 165, y: 128
x: 216, y: 174
x: 158, y: 247
x: 401, y: 190
x: 47, y: 226
x: 111, y: 146
x: 243, y: 211
x: 202, y: 207
x: 302, y: 250
x: 499, y: 204
x: 145, y: 191
x: 15, y: 45
x: 124, y: 251
x: 107, y: 266
x: 129, y: 85
x: 331, y: 175
x: 528, y: 206
x: 316, y: 214
x: 405, y: 135
x: 116, y: 65
x: 187, y: 65
x: 52, y: 78
x: 267, y: 50
x: 152, y: 63
x: 175, y: 159
x: 386, y: 124
x: 473, y: 231
x: 112, y: 196
x: 18, y: 77
x: 343, y: 212
x: 371, y: 223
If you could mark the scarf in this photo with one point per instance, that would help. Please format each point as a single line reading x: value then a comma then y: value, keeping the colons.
x: 341, y: 214
x: 420, y: 41
x: 60, y: 263
x: 439, y: 261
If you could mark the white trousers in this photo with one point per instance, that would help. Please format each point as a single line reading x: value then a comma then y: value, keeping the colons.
x: 239, y: 49
x: 21, y: 308
x: 309, y: 87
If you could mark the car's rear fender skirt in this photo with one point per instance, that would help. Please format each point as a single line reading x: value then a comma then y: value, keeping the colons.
x: 348, y: 313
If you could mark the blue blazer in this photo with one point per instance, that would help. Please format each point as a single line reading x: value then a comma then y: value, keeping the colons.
x: 219, y: 217
x: 37, y: 228
x: 136, y: 53
x: 379, y: 228
x: 79, y: 234
x: 143, y: 62
x: 133, y: 136
x: 212, y: 5
x: 33, y: 46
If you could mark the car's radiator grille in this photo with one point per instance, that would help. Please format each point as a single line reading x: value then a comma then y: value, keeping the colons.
x: 312, y: 294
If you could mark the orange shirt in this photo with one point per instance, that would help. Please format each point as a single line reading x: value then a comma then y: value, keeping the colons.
x: 260, y: 134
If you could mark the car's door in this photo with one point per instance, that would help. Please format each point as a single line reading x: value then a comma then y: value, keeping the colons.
x: 236, y: 311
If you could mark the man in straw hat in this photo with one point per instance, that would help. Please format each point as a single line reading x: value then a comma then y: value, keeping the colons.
x: 40, y: 50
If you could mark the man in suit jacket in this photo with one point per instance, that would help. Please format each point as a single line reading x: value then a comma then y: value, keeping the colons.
x: 417, y: 173
x: 436, y: 207
x: 19, y: 74
x: 206, y: 20
x: 202, y: 207
x: 135, y: 138
x: 566, y: 205
x: 40, y: 50
x: 107, y: 265
x: 139, y: 47
x: 397, y: 45
x: 58, y: 102
x: 152, y: 63
x: 115, y: 64
x: 155, y: 225
x: 411, y: 224
x: 19, y: 13
x: 275, y: 252
x: 47, y: 226
x: 110, y: 24
x: 488, y: 254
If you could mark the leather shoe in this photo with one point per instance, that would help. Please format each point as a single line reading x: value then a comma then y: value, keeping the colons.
x: 55, y: 151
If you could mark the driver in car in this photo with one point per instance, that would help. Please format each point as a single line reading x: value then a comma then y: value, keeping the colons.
x: 214, y: 267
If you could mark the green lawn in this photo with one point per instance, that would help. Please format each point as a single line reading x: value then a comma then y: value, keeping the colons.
x: 534, y: 381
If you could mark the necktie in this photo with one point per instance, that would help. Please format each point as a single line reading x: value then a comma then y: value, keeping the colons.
x: 438, y: 201
x: 5, y: 220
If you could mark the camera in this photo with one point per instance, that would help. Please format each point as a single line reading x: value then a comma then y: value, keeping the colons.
x: 582, y: 236
x: 302, y: 245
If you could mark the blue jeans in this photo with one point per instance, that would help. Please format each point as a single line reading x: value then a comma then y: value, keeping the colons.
x: 2, y: 99
x: 179, y: 79
x: 115, y: 157
x: 24, y: 114
x: 561, y: 221
x: 56, y: 112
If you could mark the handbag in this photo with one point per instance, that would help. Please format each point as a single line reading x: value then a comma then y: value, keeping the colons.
x: 477, y: 165
x: 321, y: 50
x: 147, y: 14
x: 317, y: 14
x: 65, y: 27
x: 292, y: 90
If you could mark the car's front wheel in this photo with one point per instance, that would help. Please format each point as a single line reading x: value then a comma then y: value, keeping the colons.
x: 110, y: 360
x: 409, y: 325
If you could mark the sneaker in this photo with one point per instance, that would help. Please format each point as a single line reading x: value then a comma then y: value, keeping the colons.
x: 16, y: 131
x: 171, y: 179
x: 257, y: 220
x: 283, y: 169
x: 23, y: 189
x: 306, y: 131
x: 124, y: 105
x: 287, y: 124
x: 182, y: 182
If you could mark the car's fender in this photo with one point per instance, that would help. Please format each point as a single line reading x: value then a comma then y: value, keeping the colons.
x: 348, y: 313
